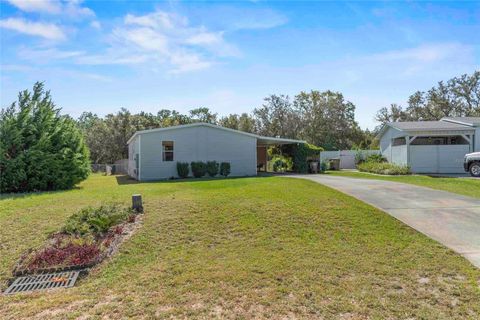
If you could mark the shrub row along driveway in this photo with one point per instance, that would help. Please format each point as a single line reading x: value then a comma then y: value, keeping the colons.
x: 451, y: 219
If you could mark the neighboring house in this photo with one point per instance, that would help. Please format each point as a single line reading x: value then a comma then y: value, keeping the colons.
x: 431, y: 146
x: 153, y: 154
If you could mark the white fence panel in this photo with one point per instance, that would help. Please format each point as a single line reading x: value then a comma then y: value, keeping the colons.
x: 347, y: 157
x: 121, y: 166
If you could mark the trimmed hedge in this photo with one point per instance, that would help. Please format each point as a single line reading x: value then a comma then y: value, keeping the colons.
x: 212, y: 168
x: 383, y: 168
x: 182, y: 169
x: 199, y: 168
x: 225, y: 169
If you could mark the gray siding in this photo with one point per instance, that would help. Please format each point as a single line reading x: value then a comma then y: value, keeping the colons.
x: 477, y: 140
x: 199, y: 143
x: 133, y: 148
x: 437, y: 159
x: 386, y: 144
x: 426, y: 158
x: 399, y: 155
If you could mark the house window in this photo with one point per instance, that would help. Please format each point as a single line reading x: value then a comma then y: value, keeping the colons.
x: 167, y: 150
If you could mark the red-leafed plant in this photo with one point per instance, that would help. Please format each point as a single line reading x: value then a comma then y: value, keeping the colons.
x: 118, y: 230
x: 70, y: 254
x: 85, y: 239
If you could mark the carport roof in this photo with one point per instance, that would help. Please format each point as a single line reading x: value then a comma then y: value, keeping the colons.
x: 469, y: 121
x: 428, y: 125
x: 431, y: 126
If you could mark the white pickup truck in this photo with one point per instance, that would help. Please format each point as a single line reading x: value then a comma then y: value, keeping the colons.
x: 471, y: 164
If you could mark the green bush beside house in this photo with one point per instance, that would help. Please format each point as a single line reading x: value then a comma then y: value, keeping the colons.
x: 212, y: 168
x: 182, y: 169
x: 40, y: 150
x: 224, y: 169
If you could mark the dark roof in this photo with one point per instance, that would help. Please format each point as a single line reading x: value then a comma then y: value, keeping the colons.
x: 471, y: 121
x: 427, y: 125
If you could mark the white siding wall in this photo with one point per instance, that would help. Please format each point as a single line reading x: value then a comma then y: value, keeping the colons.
x: 386, y: 145
x: 347, y: 157
x: 132, y: 150
x: 398, y: 155
x: 426, y: 158
x: 198, y: 143
x: 437, y: 159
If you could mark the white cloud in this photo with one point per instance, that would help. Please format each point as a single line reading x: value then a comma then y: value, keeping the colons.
x: 425, y: 53
x: 45, y: 55
x: 205, y: 38
x: 232, y: 18
x: 163, y: 38
x: 47, y: 6
x: 112, y: 57
x: 186, y: 62
x: 73, y: 8
x: 158, y: 20
x: 144, y: 39
x: 70, y: 8
x: 46, y: 30
x: 410, y: 62
x: 96, y: 25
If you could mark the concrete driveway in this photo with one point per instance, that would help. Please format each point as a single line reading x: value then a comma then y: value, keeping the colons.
x: 448, y: 218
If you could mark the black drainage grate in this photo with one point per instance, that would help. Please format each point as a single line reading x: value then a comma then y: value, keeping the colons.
x: 43, y: 281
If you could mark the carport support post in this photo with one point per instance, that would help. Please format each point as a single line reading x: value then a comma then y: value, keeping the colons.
x: 470, y: 142
x: 409, y: 140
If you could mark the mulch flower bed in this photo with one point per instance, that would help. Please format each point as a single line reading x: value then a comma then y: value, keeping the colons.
x: 66, y: 251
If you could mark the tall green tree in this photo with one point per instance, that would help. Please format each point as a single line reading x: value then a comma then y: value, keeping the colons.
x: 327, y: 119
x: 277, y: 118
x: 243, y: 122
x: 458, y: 97
x: 39, y: 148
x: 203, y: 115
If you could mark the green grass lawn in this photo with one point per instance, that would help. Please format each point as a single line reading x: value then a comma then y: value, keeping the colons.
x: 243, y: 248
x: 465, y: 186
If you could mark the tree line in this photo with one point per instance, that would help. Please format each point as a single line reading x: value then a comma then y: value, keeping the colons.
x: 41, y: 149
x: 324, y: 119
x: 457, y: 97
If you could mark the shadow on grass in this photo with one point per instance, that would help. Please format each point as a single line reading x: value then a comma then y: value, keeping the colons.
x: 5, y: 196
x: 126, y: 180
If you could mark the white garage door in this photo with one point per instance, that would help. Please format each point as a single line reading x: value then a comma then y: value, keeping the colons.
x: 437, y: 159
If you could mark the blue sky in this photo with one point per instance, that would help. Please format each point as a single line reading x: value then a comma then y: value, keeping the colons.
x: 143, y: 55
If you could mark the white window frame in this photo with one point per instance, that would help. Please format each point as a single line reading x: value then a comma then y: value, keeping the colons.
x: 168, y: 151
